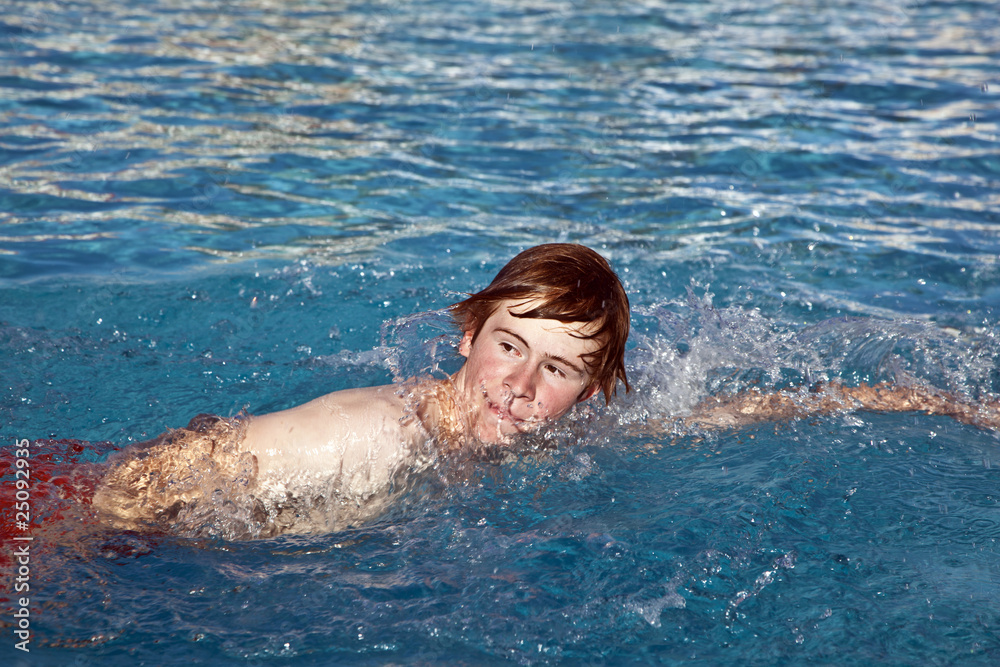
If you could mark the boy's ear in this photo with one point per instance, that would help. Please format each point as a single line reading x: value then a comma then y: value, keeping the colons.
x: 589, y: 393
x: 465, y: 345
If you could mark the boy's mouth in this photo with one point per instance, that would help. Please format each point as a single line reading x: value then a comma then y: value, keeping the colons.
x: 502, y: 414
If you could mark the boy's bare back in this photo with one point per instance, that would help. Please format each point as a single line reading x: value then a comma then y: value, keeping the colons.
x: 324, y: 465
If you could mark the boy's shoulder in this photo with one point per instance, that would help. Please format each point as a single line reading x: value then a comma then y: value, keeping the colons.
x: 336, y: 430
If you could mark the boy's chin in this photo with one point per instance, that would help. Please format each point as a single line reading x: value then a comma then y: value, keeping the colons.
x: 504, y: 433
x: 493, y: 436
x: 491, y: 431
x: 520, y: 444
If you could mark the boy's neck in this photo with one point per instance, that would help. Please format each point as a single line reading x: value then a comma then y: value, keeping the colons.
x: 439, y: 412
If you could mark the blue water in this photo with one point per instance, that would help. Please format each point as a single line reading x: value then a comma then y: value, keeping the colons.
x: 213, y: 206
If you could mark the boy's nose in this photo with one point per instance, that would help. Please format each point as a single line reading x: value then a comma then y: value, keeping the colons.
x: 521, y: 383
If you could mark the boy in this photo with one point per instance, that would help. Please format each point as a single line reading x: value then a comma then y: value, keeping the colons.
x: 549, y: 332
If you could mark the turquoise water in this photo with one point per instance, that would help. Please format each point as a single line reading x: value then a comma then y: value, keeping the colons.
x: 214, y: 206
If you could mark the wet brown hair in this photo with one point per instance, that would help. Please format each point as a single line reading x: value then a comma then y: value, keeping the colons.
x: 572, y: 284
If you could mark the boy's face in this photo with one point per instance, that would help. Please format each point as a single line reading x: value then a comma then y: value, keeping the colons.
x: 521, y: 373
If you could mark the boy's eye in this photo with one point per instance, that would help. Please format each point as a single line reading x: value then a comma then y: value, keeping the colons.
x: 555, y: 370
x: 507, y: 347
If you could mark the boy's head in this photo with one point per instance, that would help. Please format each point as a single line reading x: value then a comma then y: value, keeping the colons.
x: 569, y: 283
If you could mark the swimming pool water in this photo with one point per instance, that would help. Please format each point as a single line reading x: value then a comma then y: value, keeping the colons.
x: 210, y: 207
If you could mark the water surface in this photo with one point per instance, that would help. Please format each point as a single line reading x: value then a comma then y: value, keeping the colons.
x: 210, y: 207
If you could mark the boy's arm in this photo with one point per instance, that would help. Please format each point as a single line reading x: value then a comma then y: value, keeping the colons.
x: 341, y: 431
x: 751, y: 407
